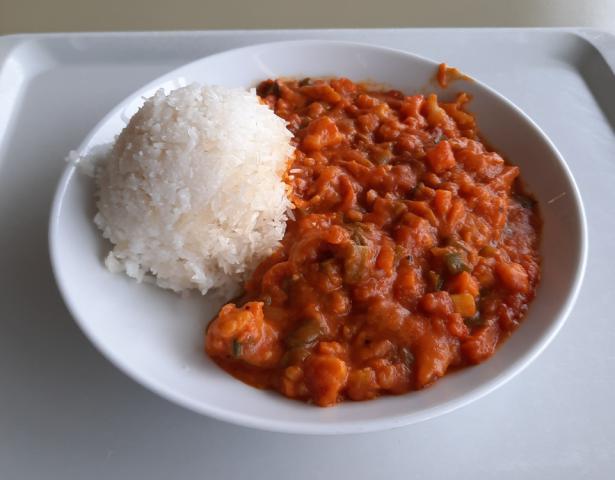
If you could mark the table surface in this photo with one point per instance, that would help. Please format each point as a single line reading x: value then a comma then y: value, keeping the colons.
x: 66, y: 412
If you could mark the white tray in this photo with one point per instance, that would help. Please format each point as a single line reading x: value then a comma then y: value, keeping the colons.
x: 66, y: 413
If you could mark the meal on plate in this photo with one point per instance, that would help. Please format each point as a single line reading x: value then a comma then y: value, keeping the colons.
x: 367, y: 241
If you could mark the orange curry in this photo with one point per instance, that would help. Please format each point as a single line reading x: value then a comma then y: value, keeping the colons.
x: 412, y: 251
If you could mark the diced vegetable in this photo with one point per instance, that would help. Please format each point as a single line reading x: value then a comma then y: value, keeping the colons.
x: 481, y: 344
x: 442, y: 201
x: 488, y: 251
x: 325, y: 377
x: 356, y: 264
x: 322, y: 132
x: 440, y: 157
x: 295, y: 356
x: 353, y: 215
x: 399, y: 209
x: 386, y: 259
x: 435, y: 280
x: 437, y: 303
x: 454, y: 263
x: 306, y: 335
x: 513, y: 276
x: 463, y: 282
x: 381, y: 156
x: 464, y: 304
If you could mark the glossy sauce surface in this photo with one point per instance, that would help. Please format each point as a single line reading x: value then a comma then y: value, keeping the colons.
x: 412, y: 252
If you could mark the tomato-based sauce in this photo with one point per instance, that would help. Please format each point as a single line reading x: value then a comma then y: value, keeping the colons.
x: 412, y: 251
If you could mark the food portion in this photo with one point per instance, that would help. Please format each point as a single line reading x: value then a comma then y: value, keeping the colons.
x: 379, y: 242
x: 411, y: 252
x: 192, y: 192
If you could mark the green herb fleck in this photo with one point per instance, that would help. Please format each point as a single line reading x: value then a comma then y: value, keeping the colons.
x: 407, y: 356
x: 435, y: 280
x: 440, y: 137
x: 475, y: 321
x: 236, y: 348
x: 455, y: 263
x: 306, y: 335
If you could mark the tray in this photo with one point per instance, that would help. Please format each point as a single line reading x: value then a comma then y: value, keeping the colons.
x: 65, y: 412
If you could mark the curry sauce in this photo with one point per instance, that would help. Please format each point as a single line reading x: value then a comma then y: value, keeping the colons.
x: 412, y: 251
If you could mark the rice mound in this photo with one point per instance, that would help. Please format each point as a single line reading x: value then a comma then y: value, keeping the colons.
x: 191, y: 192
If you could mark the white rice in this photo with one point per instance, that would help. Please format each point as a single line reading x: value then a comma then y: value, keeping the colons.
x: 192, y: 192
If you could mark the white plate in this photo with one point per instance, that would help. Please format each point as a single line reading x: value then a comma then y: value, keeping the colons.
x: 156, y: 336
